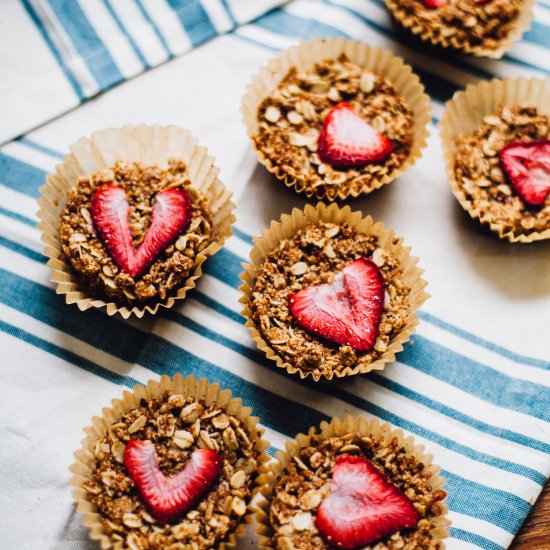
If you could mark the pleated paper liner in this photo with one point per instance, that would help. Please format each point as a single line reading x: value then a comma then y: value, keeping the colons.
x: 202, y: 391
x: 286, y: 228
x: 463, y: 115
x: 149, y: 145
x: 522, y: 24
x: 304, y: 56
x: 270, y: 472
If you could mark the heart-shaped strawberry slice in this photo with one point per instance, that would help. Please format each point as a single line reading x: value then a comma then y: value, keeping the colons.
x: 347, y: 310
x: 348, y: 141
x: 167, y: 499
x: 110, y: 209
x: 362, y: 507
x: 527, y: 166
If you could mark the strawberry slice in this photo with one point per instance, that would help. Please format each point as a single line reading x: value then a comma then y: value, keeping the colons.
x: 171, y: 215
x: 347, y: 310
x: 438, y: 3
x: 348, y: 141
x: 362, y: 507
x: 167, y: 499
x: 527, y: 166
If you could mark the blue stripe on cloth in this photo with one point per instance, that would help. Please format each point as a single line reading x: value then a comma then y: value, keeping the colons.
x: 156, y: 30
x: 18, y: 217
x: 20, y: 249
x: 499, y: 507
x: 159, y: 355
x: 476, y: 378
x: 481, y: 342
x: 538, y: 34
x: 53, y: 48
x: 87, y: 43
x: 21, y: 176
x: 39, y: 147
x: 66, y: 355
x: 133, y: 45
x: 473, y: 538
x: 465, y: 419
x: 194, y: 20
x: 225, y: 4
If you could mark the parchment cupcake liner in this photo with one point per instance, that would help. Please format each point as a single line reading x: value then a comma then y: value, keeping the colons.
x: 270, y: 472
x: 377, y: 60
x: 463, y: 115
x: 150, y: 145
x: 522, y: 24
x: 201, y: 390
x: 287, y: 227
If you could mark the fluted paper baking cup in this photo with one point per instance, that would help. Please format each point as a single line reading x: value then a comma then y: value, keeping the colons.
x: 463, y: 115
x: 304, y: 56
x: 149, y: 145
x: 286, y: 228
x: 270, y: 472
x: 521, y: 26
x: 203, y: 391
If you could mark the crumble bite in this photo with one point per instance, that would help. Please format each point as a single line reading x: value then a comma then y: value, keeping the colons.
x: 291, y: 119
x: 92, y: 262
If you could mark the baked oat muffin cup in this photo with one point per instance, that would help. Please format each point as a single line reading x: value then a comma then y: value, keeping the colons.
x: 372, y: 428
x: 463, y: 115
x: 521, y: 25
x: 303, y: 57
x: 286, y: 228
x: 202, y: 391
x: 149, y: 145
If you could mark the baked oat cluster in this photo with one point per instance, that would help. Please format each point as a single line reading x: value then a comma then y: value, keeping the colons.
x: 484, y: 24
x: 479, y: 174
x: 312, y: 257
x: 305, y: 482
x: 177, y: 426
x: 92, y: 262
x: 290, y: 121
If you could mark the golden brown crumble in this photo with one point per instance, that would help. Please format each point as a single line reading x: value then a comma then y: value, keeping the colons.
x: 305, y: 482
x: 479, y: 175
x: 312, y: 257
x: 177, y: 425
x: 477, y: 24
x: 290, y: 121
x: 91, y: 260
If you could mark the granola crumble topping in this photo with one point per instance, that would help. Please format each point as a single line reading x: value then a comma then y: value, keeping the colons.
x: 290, y: 121
x: 479, y: 175
x: 91, y: 260
x: 306, y: 482
x: 312, y: 257
x: 477, y: 24
x: 177, y: 425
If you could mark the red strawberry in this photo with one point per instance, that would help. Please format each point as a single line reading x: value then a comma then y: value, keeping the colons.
x: 437, y: 3
x: 346, y: 311
x: 527, y: 166
x: 167, y: 499
x: 362, y: 507
x: 171, y: 215
x: 348, y: 141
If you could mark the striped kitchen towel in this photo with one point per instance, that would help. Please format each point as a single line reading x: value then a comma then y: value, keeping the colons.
x: 473, y: 385
x: 66, y: 51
